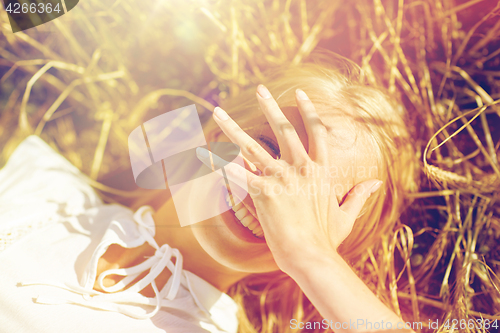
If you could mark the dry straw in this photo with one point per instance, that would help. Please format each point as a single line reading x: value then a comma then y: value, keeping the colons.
x: 85, y: 80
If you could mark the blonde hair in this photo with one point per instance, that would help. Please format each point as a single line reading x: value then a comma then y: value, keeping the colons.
x: 269, y: 301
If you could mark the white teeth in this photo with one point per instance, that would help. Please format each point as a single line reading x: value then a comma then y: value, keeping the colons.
x: 259, y: 233
x: 237, y: 206
x: 247, y: 220
x: 252, y: 225
x: 245, y: 217
x: 241, y: 213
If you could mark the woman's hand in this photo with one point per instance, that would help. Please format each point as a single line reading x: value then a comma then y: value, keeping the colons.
x: 303, y: 224
x: 294, y: 196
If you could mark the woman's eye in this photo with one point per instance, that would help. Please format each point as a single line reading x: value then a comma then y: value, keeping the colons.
x: 273, y: 147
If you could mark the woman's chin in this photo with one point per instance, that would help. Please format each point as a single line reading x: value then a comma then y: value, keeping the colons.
x: 230, y: 250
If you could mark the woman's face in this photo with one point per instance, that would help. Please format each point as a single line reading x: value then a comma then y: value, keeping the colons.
x: 352, y: 160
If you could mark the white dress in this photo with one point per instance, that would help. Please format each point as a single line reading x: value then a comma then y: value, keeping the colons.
x: 53, y: 230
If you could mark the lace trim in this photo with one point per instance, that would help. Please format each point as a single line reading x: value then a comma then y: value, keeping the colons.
x: 11, y: 235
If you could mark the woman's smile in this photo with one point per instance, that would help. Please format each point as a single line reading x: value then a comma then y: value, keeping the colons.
x: 247, y: 219
x: 231, y: 218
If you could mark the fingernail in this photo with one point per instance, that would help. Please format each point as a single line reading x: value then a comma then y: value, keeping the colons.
x: 204, y: 156
x: 220, y: 114
x: 263, y: 92
x: 376, y: 186
x: 301, y: 95
x: 202, y: 153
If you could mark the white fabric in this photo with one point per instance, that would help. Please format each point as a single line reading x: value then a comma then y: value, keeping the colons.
x: 47, y: 275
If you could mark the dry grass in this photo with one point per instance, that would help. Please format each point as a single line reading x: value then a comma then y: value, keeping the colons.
x: 84, y: 81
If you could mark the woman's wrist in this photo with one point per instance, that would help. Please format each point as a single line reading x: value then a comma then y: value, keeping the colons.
x: 308, y: 258
x: 335, y: 289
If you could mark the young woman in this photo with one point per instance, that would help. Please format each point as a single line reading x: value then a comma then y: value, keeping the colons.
x: 332, y: 164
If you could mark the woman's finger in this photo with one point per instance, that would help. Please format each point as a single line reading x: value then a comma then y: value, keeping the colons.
x: 250, y: 148
x: 292, y: 149
x: 357, y: 197
x: 315, y: 129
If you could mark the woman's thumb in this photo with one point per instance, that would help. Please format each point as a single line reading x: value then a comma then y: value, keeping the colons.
x: 358, y: 195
